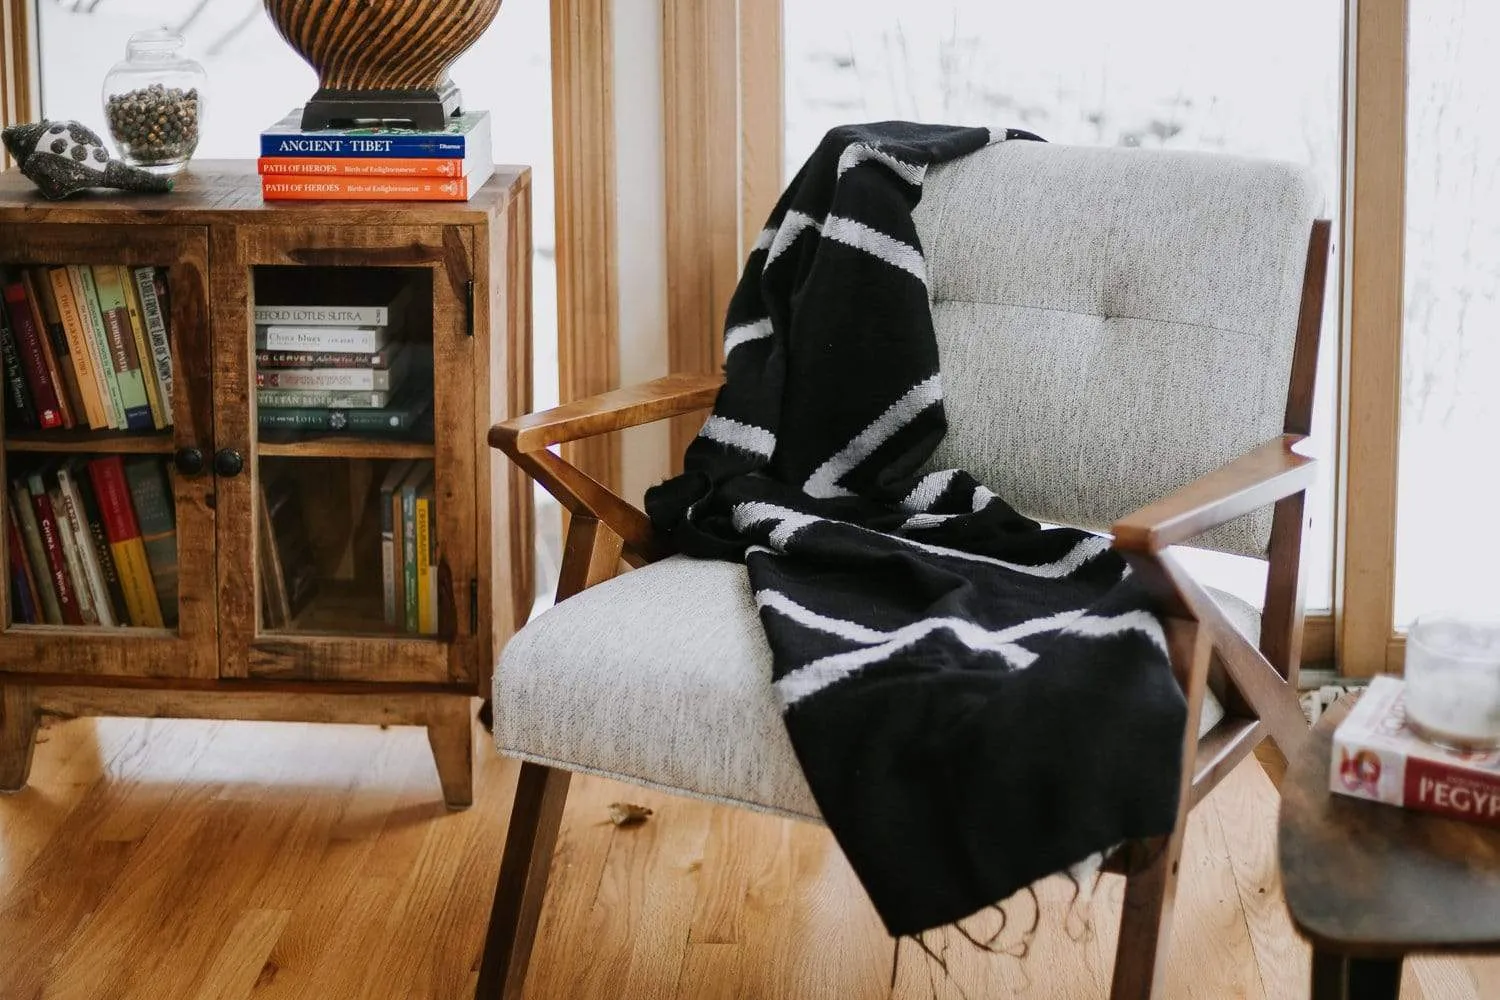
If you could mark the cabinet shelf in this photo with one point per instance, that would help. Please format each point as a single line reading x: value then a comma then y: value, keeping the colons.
x: 345, y: 446
x: 92, y: 442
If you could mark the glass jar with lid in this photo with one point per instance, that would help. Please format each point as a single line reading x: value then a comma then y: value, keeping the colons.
x: 153, y: 102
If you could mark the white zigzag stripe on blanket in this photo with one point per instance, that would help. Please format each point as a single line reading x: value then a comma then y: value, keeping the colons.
x: 746, y: 515
x: 756, y: 440
x: 824, y: 482
x: 744, y: 333
x: 983, y: 497
x: 928, y: 489
x: 854, y: 233
x: 813, y: 677
x: 1087, y: 548
x: 792, y: 225
x: 765, y: 239
x: 858, y: 152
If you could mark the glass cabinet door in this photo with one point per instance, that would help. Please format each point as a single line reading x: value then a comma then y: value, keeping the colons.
x: 109, y: 520
x: 346, y: 414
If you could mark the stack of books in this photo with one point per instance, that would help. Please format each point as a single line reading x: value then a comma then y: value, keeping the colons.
x: 340, y: 368
x: 1376, y: 756
x: 93, y: 542
x: 86, y: 347
x: 409, y: 548
x: 376, y: 163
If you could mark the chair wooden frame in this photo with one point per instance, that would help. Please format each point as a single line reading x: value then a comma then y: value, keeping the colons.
x: 1258, y: 684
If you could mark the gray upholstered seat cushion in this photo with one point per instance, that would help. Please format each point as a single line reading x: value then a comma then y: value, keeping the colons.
x: 661, y: 677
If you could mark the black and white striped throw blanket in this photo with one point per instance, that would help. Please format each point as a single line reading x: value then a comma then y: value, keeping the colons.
x: 976, y: 701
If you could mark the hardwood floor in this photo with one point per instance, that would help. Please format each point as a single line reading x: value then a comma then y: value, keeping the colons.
x: 215, y: 861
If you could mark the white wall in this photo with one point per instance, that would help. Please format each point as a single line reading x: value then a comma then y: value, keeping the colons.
x: 641, y: 226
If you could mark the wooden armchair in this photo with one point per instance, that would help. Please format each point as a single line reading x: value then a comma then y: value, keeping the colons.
x: 1120, y: 258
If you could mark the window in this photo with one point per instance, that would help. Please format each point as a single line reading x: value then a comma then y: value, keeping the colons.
x: 1254, y: 79
x: 1446, y: 545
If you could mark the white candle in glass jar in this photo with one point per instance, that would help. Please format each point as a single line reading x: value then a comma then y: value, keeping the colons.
x: 1453, y: 681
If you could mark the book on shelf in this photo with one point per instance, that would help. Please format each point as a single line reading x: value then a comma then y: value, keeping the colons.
x: 154, y: 317
x: 152, y: 500
x: 80, y: 348
x: 341, y: 399
x: 20, y: 409
x: 386, y: 376
x: 122, y: 348
x: 112, y: 489
x: 269, y: 361
x: 77, y: 472
x: 411, y: 590
x: 69, y: 538
x: 382, y: 309
x: 55, y: 346
x: 110, y: 609
x: 24, y: 603
x: 391, y: 568
x: 36, y: 552
x: 343, y: 188
x: 1376, y: 756
x: 28, y: 341
x: 427, y: 597
x: 133, y: 311
x: 56, y: 563
x: 347, y: 339
x: 384, y: 166
x: 399, y: 417
x: 86, y: 293
x: 463, y: 133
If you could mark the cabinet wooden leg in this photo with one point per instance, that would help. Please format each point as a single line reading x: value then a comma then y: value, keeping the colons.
x: 18, y: 722
x: 450, y: 731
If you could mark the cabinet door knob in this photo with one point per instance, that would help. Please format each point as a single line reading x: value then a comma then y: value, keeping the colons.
x: 189, y: 461
x: 227, y: 462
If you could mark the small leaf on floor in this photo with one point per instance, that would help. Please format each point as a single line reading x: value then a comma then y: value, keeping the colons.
x: 627, y: 814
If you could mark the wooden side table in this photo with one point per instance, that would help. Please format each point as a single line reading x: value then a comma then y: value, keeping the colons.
x: 1368, y: 884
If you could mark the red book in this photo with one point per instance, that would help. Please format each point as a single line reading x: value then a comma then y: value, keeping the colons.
x: 1377, y: 757
x: 29, y: 343
x: 57, y: 565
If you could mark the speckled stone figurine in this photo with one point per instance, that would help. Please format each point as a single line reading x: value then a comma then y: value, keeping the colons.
x: 63, y: 158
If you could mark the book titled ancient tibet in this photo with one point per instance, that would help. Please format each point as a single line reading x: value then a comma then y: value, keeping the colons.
x: 1377, y: 757
x: 463, y: 133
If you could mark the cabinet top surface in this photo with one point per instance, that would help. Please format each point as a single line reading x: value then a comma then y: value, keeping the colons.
x: 229, y: 191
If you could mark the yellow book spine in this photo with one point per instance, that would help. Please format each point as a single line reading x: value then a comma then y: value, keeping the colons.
x: 142, y: 350
x: 78, y: 346
x: 425, y: 623
x: 135, y: 580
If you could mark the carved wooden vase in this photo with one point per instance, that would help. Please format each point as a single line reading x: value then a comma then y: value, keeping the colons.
x: 384, y: 59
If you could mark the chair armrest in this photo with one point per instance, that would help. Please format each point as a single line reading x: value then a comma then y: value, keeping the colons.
x: 609, y: 411
x: 1263, y: 475
x: 525, y: 440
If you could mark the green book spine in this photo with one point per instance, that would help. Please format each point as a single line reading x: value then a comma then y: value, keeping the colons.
x: 115, y: 313
x: 153, y: 512
x: 105, y: 364
x: 391, y: 420
x: 409, y: 547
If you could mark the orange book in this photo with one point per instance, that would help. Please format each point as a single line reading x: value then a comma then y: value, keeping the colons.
x: 314, y: 166
x: 343, y: 188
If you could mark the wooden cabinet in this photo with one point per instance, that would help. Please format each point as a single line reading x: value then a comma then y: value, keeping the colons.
x: 284, y: 532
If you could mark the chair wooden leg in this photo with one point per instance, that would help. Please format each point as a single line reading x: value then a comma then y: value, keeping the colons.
x: 535, y: 818
x: 450, y: 732
x: 1146, y: 921
x: 18, y: 724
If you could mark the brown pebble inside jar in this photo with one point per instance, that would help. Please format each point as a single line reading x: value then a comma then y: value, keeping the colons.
x: 155, y: 124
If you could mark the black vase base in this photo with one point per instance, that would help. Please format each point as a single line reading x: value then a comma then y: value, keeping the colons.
x: 427, y: 110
